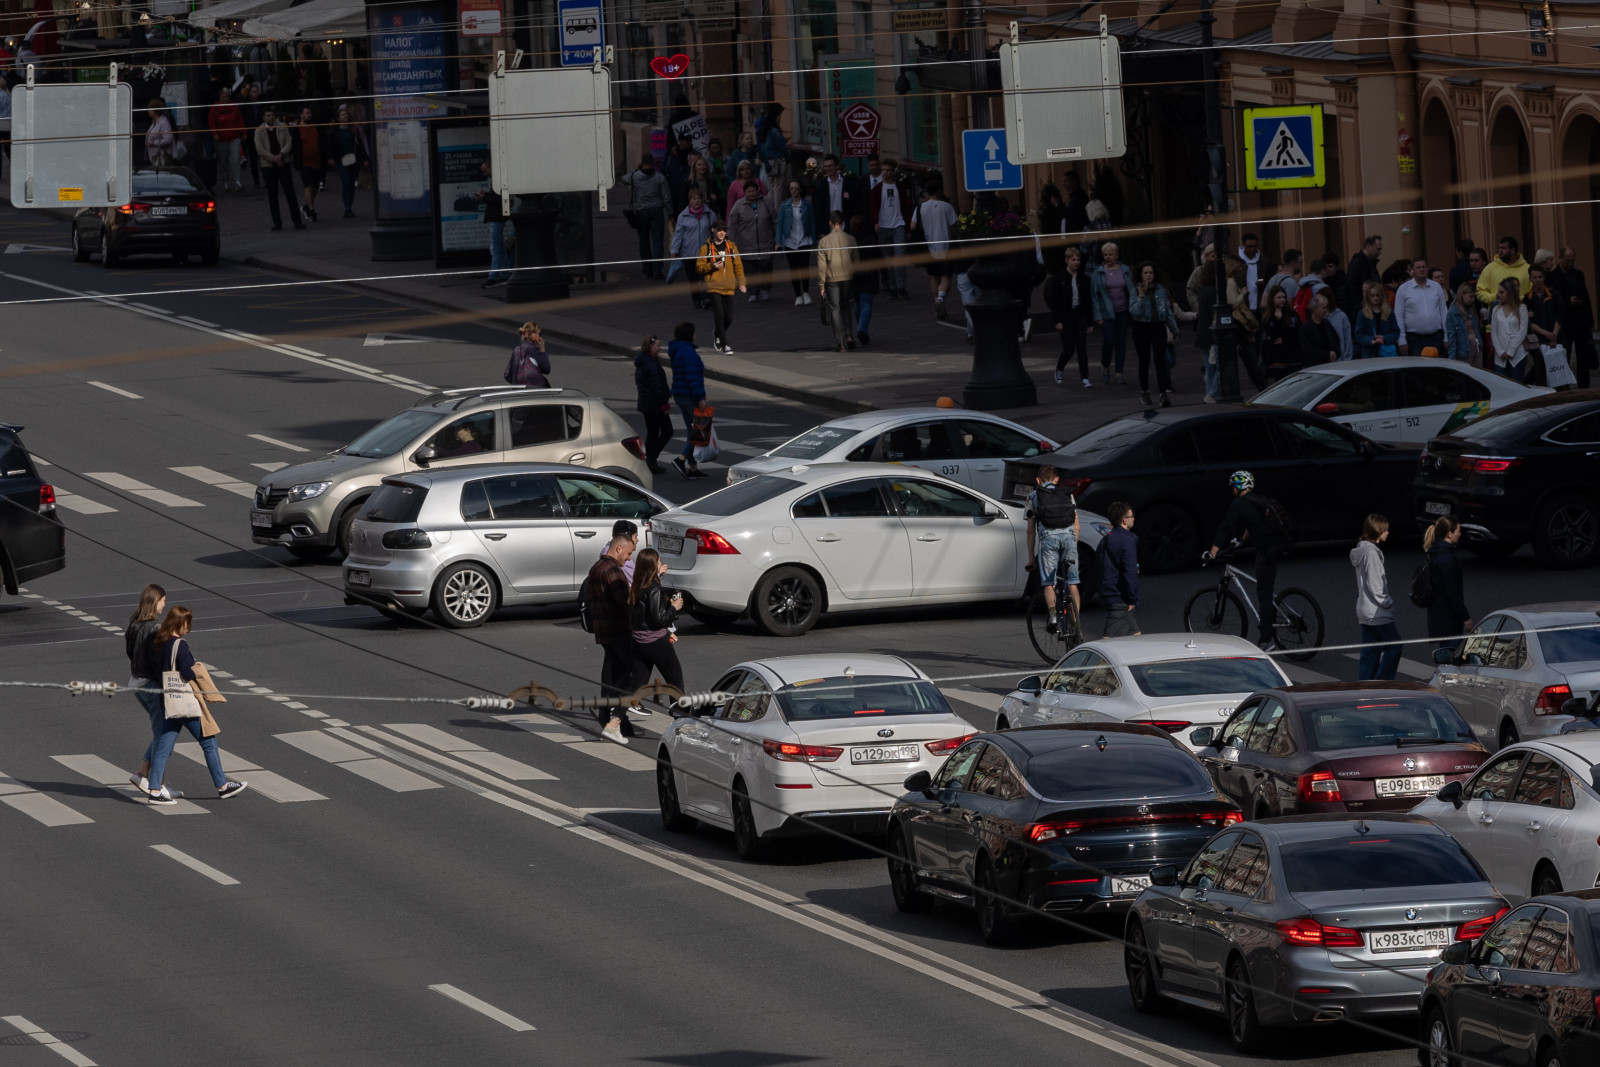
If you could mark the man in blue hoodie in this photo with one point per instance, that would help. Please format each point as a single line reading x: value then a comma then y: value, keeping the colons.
x: 1119, y: 573
x: 689, y: 390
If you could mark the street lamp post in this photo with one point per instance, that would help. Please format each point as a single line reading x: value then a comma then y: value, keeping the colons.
x: 1223, y: 333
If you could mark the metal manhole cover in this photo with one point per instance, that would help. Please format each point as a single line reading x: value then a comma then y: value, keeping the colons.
x: 64, y: 1036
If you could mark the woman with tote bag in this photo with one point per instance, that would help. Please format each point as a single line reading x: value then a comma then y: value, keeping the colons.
x: 169, y: 650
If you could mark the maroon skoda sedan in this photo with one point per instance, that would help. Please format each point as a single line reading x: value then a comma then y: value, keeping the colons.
x: 1338, y: 746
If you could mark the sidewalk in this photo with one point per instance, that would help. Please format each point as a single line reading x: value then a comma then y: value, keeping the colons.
x: 781, y: 349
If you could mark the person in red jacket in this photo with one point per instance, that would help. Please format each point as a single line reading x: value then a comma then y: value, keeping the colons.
x: 227, y: 127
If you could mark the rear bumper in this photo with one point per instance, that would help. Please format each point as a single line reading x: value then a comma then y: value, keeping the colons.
x: 1374, y: 993
x: 721, y: 583
x: 186, y: 239
x: 395, y: 583
x: 859, y: 822
x: 1483, y: 518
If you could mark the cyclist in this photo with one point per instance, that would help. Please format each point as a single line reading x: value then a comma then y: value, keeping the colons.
x: 1053, y: 537
x: 1254, y: 519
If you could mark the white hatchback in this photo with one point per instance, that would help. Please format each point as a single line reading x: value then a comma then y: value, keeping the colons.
x: 1403, y: 399
x: 802, y: 742
x: 1173, y: 681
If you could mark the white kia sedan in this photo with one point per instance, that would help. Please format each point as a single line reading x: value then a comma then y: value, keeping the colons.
x: 801, y: 742
x: 1530, y: 816
x: 787, y: 547
x: 1404, y: 399
x: 969, y: 447
x: 1174, y: 681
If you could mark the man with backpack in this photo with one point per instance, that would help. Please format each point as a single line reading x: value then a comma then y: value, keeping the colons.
x: 1259, y: 521
x: 1053, y: 537
x: 603, y: 608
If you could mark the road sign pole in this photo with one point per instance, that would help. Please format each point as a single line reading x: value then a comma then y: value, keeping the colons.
x: 1223, y: 332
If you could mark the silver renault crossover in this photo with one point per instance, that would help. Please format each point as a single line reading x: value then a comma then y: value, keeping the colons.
x: 468, y: 540
x: 308, y: 508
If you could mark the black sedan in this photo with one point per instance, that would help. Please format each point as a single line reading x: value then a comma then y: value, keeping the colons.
x: 1172, y: 465
x: 32, y: 540
x: 1526, y: 994
x: 1065, y: 819
x: 1338, y: 746
x: 172, y: 213
x: 1529, y: 471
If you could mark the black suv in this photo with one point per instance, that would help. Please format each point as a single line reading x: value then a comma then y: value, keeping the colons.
x: 1529, y: 471
x: 32, y: 540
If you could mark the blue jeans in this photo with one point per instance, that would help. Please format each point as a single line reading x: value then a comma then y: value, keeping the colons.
x: 1213, y: 374
x: 1116, y: 340
x: 892, y: 240
x: 149, y: 698
x: 1055, y: 547
x: 347, y: 185
x: 688, y: 431
x: 864, y: 318
x: 969, y: 293
x: 1379, y: 661
x: 1517, y: 372
x: 499, y: 262
x: 166, y: 731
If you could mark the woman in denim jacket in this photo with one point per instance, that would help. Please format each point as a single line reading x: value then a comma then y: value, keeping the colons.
x: 1154, y: 327
x: 1463, y: 333
x: 1377, y: 330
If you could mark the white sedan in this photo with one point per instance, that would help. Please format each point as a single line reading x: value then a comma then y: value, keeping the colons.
x: 1403, y: 399
x: 1530, y: 816
x: 967, y: 446
x: 787, y: 547
x: 1174, y: 681
x: 801, y: 742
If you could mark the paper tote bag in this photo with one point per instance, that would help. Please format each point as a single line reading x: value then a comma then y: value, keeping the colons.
x: 181, y: 702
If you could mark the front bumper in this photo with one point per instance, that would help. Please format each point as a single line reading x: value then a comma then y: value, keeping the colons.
x: 292, y: 527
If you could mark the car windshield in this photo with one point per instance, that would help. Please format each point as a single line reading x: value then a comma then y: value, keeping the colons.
x: 1344, y: 863
x: 862, y: 696
x: 1571, y: 646
x: 1200, y: 677
x: 741, y: 495
x: 1363, y: 724
x: 1295, y: 391
x: 1112, y: 437
x: 166, y: 183
x: 1118, y: 771
x: 813, y: 443
x: 391, y: 435
x: 1501, y: 429
x: 395, y: 503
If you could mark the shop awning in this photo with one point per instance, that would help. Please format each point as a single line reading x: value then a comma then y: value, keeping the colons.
x: 319, y: 18
x: 230, y: 10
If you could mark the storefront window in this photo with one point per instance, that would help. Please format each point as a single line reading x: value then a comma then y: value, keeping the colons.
x: 638, y: 89
x: 816, y: 33
x: 921, y: 121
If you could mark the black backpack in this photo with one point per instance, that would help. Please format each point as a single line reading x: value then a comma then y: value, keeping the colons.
x: 1053, y: 507
x: 1423, y: 591
x: 1275, y: 519
x: 585, y: 608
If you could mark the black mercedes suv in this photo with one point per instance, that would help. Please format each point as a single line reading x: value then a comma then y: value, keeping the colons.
x: 32, y: 540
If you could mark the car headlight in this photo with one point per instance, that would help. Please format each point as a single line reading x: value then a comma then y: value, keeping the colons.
x: 307, y: 491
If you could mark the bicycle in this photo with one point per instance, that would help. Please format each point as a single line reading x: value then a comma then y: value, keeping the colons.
x: 1220, y: 609
x: 1069, y: 625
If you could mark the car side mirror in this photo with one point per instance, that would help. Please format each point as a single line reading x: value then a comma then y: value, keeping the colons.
x: 1326, y: 409
x: 1444, y: 657
x: 424, y: 455
x: 1205, y: 737
x: 1577, y: 707
x: 1472, y: 659
x: 1165, y: 875
x: 993, y: 513
x: 1031, y: 684
x: 918, y: 782
x: 1450, y: 792
x: 1456, y: 952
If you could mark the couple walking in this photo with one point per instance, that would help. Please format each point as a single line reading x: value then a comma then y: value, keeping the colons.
x: 634, y: 621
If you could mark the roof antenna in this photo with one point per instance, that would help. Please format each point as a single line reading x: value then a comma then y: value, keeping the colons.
x: 1100, y: 742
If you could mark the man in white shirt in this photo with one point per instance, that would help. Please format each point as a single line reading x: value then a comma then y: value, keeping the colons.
x: 932, y: 220
x: 887, y: 203
x: 1250, y: 252
x: 1419, y: 310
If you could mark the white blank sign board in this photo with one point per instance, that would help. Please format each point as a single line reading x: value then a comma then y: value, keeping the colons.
x: 550, y: 130
x: 72, y: 145
x: 1063, y: 100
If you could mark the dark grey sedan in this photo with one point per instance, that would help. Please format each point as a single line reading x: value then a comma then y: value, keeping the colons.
x: 1305, y: 919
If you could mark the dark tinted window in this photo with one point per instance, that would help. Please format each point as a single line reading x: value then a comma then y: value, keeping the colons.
x: 1237, y: 730
x: 1584, y: 430
x: 1362, y: 393
x: 1112, y: 437
x: 1269, y: 720
x: 741, y: 495
x: 1502, y: 946
x: 475, y: 503
x: 522, y: 496
x: 809, y: 507
x: 1121, y: 770
x: 957, y: 767
x: 1376, y: 862
x: 1205, y: 870
x: 1295, y: 391
x: 470, y: 435
x: 1363, y: 724
x: 1510, y: 649
x: 919, y: 499
x: 814, y: 443
x: 986, y: 440
x: 391, y: 435
x: 13, y: 458
x: 990, y: 776
x: 395, y: 503
x: 541, y: 424
x: 1237, y: 440
x: 1432, y: 386
x: 166, y: 183
x: 1544, y: 783
x: 1247, y: 867
x: 1201, y: 677
x: 1304, y: 439
x: 1481, y: 640
x: 862, y: 698
x: 1504, y: 428
x: 855, y: 500
x: 1179, y: 448
x: 1547, y: 948
x: 922, y: 441
x: 1495, y: 779
x: 1570, y: 646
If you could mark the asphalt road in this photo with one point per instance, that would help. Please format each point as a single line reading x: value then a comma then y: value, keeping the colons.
x: 419, y: 883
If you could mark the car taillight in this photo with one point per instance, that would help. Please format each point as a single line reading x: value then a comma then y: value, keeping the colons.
x: 202, y: 205
x: 635, y: 447
x: 1319, y: 786
x: 1551, y: 697
x: 1309, y: 932
x: 412, y: 538
x: 711, y: 544
x: 949, y: 744
x: 1172, y: 726
x: 788, y: 752
x: 1076, y: 486
x: 1486, y: 464
x: 137, y: 205
x: 1054, y: 828
x: 1476, y: 928
x: 47, y: 497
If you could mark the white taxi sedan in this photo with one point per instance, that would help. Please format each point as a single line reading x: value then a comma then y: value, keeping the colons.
x: 1173, y: 681
x: 801, y: 742
x: 1402, y: 399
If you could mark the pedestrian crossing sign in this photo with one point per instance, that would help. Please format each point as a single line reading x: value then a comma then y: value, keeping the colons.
x: 1283, y: 147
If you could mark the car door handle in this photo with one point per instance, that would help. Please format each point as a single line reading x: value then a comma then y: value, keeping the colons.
x: 929, y: 537
x: 1259, y: 774
x: 1486, y: 820
x: 1534, y: 828
x: 577, y: 457
x: 585, y: 534
x: 828, y: 538
x: 495, y: 536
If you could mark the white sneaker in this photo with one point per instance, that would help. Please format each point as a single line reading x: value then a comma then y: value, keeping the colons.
x: 1087, y: 383
x: 1058, y: 377
x: 613, y: 733
x: 806, y: 297
x: 798, y: 301
x: 141, y: 781
x: 727, y: 350
x: 639, y: 713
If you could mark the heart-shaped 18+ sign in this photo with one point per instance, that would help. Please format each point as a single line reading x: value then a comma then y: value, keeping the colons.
x: 669, y: 67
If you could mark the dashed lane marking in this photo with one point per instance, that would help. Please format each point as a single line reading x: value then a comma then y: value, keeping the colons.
x: 216, y: 479
x: 483, y: 1008
x: 138, y: 488
x: 38, y: 806
x: 274, y: 441
x: 195, y: 865
x: 114, y: 389
x: 553, y: 729
x: 68, y: 609
x: 270, y: 467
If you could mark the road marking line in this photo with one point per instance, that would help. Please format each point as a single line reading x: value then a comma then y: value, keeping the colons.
x: 195, y: 865
x: 483, y: 1008
x: 38, y: 806
x: 217, y: 479
x: 270, y: 467
x: 108, y: 774
x: 269, y: 784
x: 199, y: 322
x: 357, y: 366
x: 148, y: 307
x: 274, y: 441
x: 553, y: 729
x: 50, y: 1041
x: 114, y: 389
x: 461, y: 748
x: 148, y: 492
x: 331, y: 749
x: 1301, y: 675
x: 81, y: 504
x: 986, y: 701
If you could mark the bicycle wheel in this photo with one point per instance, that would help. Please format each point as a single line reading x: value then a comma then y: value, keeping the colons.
x: 1299, y: 623
x: 1047, y: 644
x: 1215, y: 611
x: 1070, y: 624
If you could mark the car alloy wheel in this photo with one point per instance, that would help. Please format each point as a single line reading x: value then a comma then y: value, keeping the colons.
x: 1243, y: 1025
x: 746, y: 841
x: 1567, y: 532
x: 1141, y: 972
x: 464, y: 596
x: 788, y: 602
x: 672, y: 816
x: 80, y: 254
x: 1438, y: 1035
x: 1508, y: 734
x: 903, y: 875
x: 994, y: 924
x: 1169, y: 539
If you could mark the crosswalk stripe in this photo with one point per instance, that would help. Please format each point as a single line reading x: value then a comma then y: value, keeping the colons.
x: 38, y: 806
x: 217, y: 479
x: 108, y: 774
x: 81, y: 504
x: 553, y: 729
x: 138, y: 488
x: 334, y: 751
x: 462, y: 749
x: 271, y: 785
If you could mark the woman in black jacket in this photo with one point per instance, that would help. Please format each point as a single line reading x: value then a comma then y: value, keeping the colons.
x: 1448, y: 617
x: 651, y: 615
x: 1280, y: 335
x: 1071, y: 308
x: 655, y: 400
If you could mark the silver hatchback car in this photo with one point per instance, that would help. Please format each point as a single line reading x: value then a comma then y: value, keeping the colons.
x: 468, y: 540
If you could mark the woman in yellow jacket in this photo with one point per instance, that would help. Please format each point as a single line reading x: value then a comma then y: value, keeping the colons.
x: 719, y: 262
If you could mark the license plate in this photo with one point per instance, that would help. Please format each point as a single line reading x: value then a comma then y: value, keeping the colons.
x: 1406, y: 787
x: 884, y: 754
x: 1433, y: 507
x: 357, y: 578
x: 1407, y: 940
x: 169, y: 211
x: 261, y: 518
x: 1121, y: 886
x: 672, y: 546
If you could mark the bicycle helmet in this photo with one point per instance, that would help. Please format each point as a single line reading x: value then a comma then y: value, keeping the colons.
x: 1243, y: 481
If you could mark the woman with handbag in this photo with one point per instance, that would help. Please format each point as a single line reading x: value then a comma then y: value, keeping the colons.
x: 1377, y: 330
x: 652, y: 611
x: 169, y: 650
x: 348, y: 154
x: 1154, y: 325
x: 143, y: 677
x: 159, y: 140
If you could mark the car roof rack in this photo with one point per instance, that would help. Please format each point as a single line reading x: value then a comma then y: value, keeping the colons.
x: 483, y: 391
